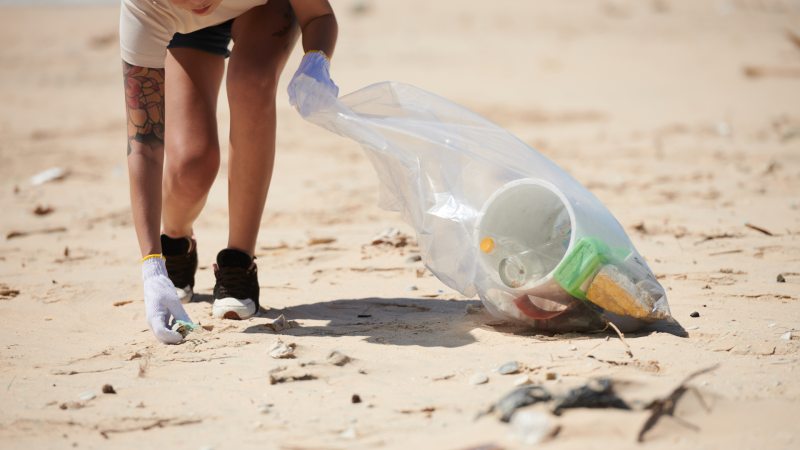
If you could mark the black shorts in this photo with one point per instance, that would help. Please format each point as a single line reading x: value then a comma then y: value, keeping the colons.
x: 213, y: 39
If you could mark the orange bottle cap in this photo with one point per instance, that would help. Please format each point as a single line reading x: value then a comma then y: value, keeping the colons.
x: 487, y: 245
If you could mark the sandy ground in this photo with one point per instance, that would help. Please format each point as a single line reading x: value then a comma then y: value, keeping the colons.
x: 682, y: 116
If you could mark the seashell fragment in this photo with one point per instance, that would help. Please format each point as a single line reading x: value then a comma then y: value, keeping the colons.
x: 280, y: 350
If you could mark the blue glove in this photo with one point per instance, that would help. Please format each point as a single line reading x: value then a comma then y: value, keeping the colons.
x: 315, y: 64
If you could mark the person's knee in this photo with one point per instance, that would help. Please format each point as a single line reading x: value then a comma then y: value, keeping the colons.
x: 251, y: 92
x: 192, y: 172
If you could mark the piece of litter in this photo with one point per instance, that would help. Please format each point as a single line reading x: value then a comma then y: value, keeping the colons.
x: 336, y: 358
x: 694, y: 327
x: 392, y: 237
x: 184, y: 328
x: 364, y: 316
x: 552, y: 376
x: 771, y: 325
x: 694, y: 314
x: 521, y: 381
x: 594, y: 394
x: 414, y: 257
x: 524, y: 396
x: 572, y: 348
x: 508, y: 368
x: 411, y: 287
x: 281, y: 324
x: 280, y: 350
x: 787, y: 336
x: 86, y: 396
x: 264, y: 409
x: 108, y: 389
x: 531, y: 427
x: 349, y: 433
x: 51, y: 174
x: 472, y: 309
x: 478, y: 378
x: 355, y: 399
x: 781, y: 279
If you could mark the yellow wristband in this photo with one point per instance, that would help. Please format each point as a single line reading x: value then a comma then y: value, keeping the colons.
x: 321, y: 53
x: 152, y: 256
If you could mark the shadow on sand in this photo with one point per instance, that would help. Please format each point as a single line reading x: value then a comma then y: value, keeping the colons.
x: 414, y: 321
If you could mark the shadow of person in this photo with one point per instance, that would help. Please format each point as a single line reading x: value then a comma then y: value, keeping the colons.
x: 207, y: 298
x: 396, y: 321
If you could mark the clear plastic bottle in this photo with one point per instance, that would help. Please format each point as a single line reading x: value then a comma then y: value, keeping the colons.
x: 520, y: 264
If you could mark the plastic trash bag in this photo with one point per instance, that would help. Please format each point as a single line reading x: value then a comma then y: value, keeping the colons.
x: 493, y: 217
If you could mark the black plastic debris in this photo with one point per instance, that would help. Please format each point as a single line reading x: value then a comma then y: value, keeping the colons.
x: 524, y: 396
x: 594, y: 394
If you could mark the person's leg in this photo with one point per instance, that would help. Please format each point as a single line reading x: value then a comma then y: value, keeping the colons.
x: 191, y: 142
x: 263, y: 39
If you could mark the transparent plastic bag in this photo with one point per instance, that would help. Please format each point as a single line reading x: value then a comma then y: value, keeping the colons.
x: 493, y: 217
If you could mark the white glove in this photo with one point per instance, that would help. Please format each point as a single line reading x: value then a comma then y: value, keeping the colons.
x: 161, y: 301
x: 316, y: 65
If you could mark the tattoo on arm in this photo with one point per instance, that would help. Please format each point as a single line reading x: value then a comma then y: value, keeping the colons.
x: 144, y: 97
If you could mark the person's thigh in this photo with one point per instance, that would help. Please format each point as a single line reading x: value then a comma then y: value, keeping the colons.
x: 263, y: 39
x: 194, y: 78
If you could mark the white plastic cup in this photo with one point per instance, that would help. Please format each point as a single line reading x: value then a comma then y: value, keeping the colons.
x: 525, y: 211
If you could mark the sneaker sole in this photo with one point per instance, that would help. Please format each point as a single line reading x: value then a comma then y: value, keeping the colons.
x: 233, y: 308
x: 185, y: 295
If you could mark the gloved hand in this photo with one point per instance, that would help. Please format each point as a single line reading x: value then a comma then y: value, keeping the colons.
x: 316, y: 65
x: 161, y: 301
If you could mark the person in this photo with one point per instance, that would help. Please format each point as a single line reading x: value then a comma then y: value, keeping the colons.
x: 173, y: 54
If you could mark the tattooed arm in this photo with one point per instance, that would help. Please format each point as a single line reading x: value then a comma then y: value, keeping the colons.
x: 144, y: 99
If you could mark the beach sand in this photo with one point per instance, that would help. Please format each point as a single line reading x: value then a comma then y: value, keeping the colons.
x: 682, y: 117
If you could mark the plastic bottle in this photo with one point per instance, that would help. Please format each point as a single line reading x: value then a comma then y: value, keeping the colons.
x: 520, y: 264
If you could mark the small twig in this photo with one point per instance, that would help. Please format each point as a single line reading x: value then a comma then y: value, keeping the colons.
x: 725, y: 253
x: 686, y: 423
x: 666, y: 406
x: 592, y: 349
x: 75, y: 372
x: 753, y: 227
x: 160, y: 423
x: 622, y: 338
x: 15, y: 234
x: 716, y: 236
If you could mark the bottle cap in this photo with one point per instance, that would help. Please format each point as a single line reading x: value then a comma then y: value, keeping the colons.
x: 487, y: 245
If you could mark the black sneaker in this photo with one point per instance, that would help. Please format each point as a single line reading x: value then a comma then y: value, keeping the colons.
x: 236, y: 291
x: 181, y: 259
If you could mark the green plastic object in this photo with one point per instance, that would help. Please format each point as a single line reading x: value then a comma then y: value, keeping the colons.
x: 581, y: 263
x: 188, y: 325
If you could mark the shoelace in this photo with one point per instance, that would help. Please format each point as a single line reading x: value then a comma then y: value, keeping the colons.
x: 180, y: 269
x: 234, y: 282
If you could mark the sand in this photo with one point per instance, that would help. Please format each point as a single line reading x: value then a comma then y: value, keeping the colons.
x: 682, y: 117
